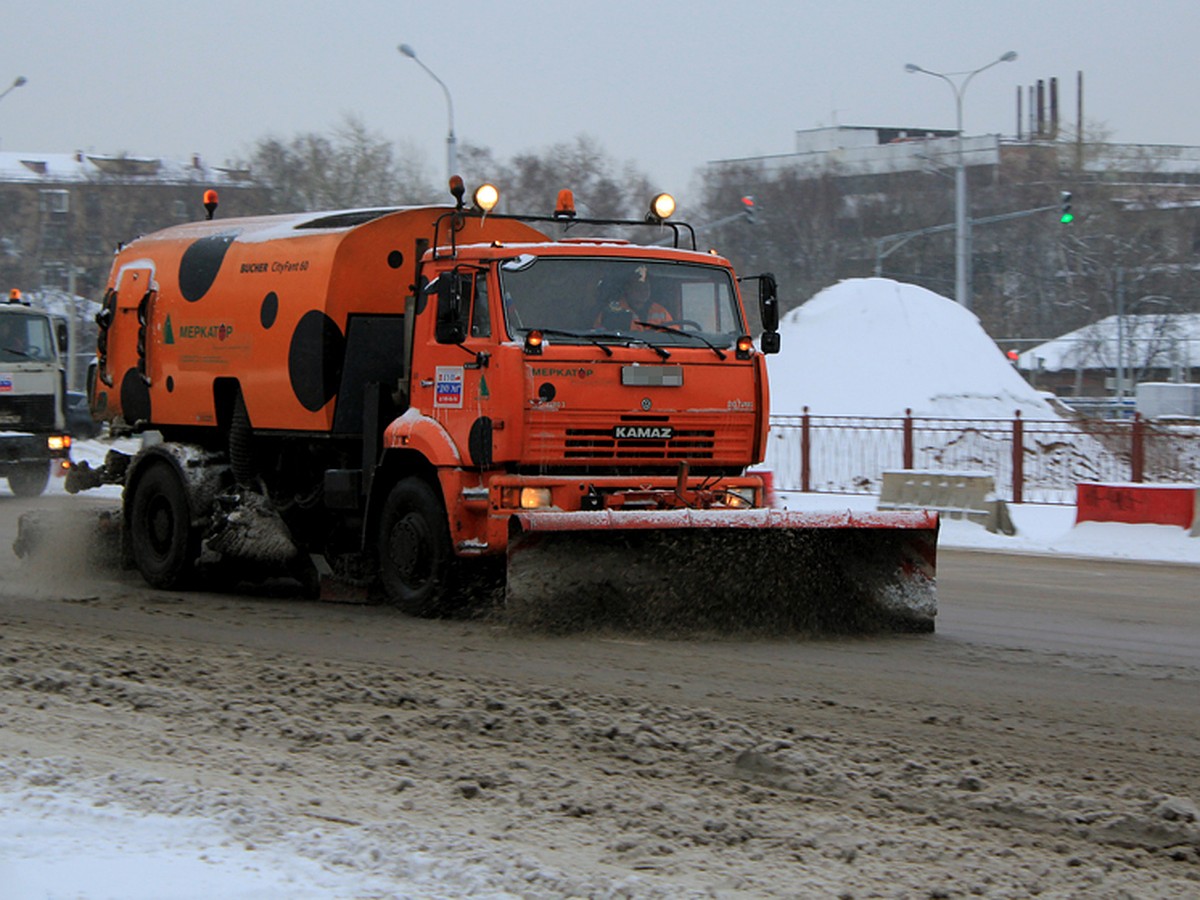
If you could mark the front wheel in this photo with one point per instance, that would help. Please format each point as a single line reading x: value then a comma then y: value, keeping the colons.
x: 415, y: 556
x: 29, y: 479
x: 164, y: 544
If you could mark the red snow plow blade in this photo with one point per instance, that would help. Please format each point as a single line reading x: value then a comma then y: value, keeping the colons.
x: 725, y: 571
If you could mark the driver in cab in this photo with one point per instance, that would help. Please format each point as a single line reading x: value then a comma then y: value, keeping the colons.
x: 633, y: 306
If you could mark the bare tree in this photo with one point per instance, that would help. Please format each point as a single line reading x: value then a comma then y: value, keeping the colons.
x: 531, y: 180
x: 350, y: 168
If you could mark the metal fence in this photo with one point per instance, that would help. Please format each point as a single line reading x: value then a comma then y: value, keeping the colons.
x: 1031, y: 460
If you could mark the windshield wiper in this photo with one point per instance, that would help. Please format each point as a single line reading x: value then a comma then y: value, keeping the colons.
x: 575, y: 334
x: 688, y: 334
x: 628, y: 339
x: 599, y: 339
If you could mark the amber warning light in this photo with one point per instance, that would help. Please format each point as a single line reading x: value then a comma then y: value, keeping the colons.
x: 533, y: 343
x: 210, y: 202
x: 565, y: 207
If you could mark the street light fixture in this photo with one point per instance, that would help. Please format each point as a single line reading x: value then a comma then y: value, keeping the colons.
x: 962, y: 239
x: 451, y: 141
x: 19, y: 81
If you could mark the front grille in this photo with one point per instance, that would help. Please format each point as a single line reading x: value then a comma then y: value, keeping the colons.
x: 585, y: 443
x: 702, y: 439
x: 27, y: 412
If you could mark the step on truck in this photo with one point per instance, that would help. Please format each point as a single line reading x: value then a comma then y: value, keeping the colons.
x: 414, y: 398
x: 33, y: 433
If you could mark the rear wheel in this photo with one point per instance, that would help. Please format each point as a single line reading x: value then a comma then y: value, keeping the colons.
x: 415, y: 556
x: 161, y: 536
x: 29, y: 479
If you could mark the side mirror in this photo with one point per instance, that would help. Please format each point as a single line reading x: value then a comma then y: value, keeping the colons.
x: 60, y: 332
x: 452, y: 292
x: 768, y: 301
x: 768, y: 310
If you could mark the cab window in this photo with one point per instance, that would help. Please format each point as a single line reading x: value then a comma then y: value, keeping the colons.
x: 481, y: 323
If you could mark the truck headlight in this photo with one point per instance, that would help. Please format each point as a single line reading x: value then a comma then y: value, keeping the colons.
x: 740, y: 498
x: 535, y: 498
x: 526, y: 498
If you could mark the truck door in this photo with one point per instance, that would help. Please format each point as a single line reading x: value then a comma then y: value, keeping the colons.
x: 456, y: 383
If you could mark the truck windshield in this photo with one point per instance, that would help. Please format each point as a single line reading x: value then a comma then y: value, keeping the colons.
x: 25, y: 337
x: 585, y: 299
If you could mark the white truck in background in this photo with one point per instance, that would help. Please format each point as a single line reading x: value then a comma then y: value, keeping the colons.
x: 33, y: 425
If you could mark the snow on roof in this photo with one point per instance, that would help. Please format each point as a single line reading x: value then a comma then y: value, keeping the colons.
x: 875, y: 347
x: 1151, y: 341
x: 18, y: 166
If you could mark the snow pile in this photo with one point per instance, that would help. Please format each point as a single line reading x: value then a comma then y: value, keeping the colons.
x: 875, y: 347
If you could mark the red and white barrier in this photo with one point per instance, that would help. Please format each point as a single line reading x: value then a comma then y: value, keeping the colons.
x: 1140, y: 504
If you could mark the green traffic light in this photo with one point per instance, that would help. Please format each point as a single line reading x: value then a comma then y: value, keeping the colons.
x: 1067, y: 218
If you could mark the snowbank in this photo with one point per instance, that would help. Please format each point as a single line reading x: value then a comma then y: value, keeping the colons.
x: 875, y: 347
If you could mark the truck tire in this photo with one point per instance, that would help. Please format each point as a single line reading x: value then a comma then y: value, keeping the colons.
x: 164, y: 544
x: 415, y: 556
x: 29, y: 479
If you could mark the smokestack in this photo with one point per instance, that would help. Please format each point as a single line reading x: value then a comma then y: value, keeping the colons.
x: 1054, y: 109
x: 1041, y: 109
x: 1020, y: 124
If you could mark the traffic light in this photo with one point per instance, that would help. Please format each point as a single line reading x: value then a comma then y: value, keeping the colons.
x: 748, y: 209
x: 1067, y: 216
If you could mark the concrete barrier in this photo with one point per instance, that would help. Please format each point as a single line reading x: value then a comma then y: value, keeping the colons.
x: 964, y: 495
x: 1140, y: 504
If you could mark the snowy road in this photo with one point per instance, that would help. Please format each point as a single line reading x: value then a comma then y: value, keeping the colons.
x: 1043, y: 741
x: 1144, y: 613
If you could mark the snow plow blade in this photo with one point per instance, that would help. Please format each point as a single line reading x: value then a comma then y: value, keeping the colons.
x: 723, y: 571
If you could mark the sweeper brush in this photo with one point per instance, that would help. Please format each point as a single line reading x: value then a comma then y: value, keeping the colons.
x: 754, y: 571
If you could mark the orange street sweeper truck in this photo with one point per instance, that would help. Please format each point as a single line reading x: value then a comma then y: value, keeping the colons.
x: 399, y: 397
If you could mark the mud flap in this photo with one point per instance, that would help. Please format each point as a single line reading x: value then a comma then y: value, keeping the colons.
x: 751, y: 571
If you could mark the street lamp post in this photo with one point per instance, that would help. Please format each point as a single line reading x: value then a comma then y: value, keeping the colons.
x: 451, y: 140
x: 962, y: 224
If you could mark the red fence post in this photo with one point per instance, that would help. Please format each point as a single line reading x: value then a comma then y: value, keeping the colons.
x: 1018, y: 458
x: 805, y: 452
x: 1137, y: 452
x: 908, y: 439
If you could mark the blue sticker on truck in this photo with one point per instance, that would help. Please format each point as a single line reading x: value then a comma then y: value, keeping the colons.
x: 448, y: 387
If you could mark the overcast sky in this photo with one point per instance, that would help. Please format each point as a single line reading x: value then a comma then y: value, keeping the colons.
x: 669, y: 85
